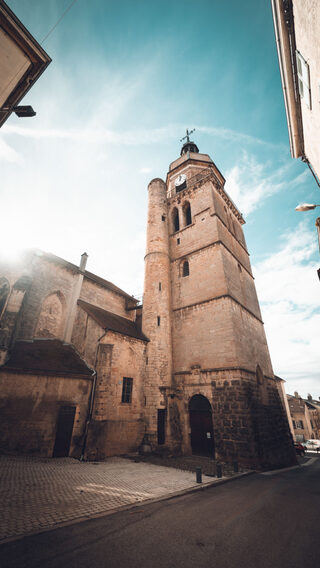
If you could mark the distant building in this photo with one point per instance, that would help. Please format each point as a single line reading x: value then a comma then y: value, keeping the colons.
x: 297, y: 25
x: 86, y: 371
x: 22, y: 61
x: 305, y: 415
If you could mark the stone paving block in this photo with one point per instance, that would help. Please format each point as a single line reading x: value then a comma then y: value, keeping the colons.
x: 39, y: 493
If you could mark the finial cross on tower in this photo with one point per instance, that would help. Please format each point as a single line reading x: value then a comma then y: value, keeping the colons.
x: 187, y: 135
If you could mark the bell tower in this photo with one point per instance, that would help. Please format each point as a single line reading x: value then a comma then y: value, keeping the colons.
x: 209, y: 367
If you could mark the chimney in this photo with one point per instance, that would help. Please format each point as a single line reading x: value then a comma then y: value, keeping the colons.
x: 296, y: 394
x: 309, y: 397
x: 83, y: 262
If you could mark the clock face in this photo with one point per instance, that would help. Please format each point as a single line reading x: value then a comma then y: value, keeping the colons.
x: 180, y: 180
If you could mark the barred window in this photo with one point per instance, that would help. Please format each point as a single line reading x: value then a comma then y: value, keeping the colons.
x: 127, y: 384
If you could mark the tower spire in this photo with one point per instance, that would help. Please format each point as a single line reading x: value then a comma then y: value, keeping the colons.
x: 188, y: 146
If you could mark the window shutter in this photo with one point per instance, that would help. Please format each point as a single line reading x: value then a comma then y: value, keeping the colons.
x: 303, y: 79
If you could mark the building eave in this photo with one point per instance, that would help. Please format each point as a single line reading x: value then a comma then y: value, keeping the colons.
x: 285, y: 42
x: 31, y: 49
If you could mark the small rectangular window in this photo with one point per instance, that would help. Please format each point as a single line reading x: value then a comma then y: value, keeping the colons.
x: 127, y: 384
x: 158, y: 320
x: 159, y: 286
x: 163, y: 217
x: 178, y: 241
x: 303, y: 79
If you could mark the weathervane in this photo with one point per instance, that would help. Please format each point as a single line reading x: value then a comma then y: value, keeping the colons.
x: 187, y: 136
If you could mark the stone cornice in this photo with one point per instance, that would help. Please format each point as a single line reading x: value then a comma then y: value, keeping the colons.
x: 223, y: 369
x: 219, y: 242
x: 215, y: 300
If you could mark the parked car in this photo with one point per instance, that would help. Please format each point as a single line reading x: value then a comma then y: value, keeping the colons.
x: 312, y: 445
x: 300, y: 449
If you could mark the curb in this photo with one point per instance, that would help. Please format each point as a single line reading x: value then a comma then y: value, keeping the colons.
x: 168, y: 497
x: 275, y: 471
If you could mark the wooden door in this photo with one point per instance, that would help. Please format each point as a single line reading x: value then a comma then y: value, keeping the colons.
x: 64, y: 431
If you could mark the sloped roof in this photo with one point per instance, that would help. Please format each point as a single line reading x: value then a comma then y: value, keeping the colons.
x: 89, y: 275
x: 113, y: 322
x: 48, y: 356
x: 295, y: 403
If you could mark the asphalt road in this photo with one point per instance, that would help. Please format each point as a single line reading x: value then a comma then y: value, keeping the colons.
x: 260, y: 521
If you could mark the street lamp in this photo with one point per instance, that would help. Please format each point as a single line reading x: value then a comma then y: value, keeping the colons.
x: 22, y: 111
x: 310, y: 207
x: 306, y: 207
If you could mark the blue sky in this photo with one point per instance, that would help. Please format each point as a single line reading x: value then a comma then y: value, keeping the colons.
x: 127, y: 78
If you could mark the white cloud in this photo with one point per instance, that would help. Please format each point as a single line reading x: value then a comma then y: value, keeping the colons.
x: 7, y: 153
x: 234, y: 136
x: 288, y: 290
x: 249, y: 183
x: 145, y: 170
x: 98, y: 135
x: 92, y: 132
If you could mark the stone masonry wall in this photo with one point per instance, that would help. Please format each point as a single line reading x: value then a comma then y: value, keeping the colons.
x: 29, y: 407
x: 249, y: 426
x: 48, y: 278
x: 98, y: 295
x: 189, y: 290
x: 203, y: 335
x: 117, y: 427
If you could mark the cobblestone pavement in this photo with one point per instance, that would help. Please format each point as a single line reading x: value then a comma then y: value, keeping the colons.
x: 37, y: 494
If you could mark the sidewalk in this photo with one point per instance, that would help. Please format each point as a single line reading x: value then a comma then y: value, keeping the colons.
x: 38, y: 494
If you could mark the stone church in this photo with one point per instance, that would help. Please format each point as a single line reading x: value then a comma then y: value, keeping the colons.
x: 86, y: 371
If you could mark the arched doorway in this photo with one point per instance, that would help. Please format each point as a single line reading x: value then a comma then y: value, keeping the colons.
x: 200, y: 414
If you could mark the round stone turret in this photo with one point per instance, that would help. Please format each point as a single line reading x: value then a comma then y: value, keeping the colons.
x: 156, y: 323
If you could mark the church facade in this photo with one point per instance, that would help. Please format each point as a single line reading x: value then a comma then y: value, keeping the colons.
x: 188, y: 372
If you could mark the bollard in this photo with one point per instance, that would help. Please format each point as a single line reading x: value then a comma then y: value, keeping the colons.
x: 198, y: 474
x: 219, y: 470
x: 235, y: 467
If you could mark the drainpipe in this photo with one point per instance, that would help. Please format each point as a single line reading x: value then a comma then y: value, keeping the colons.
x: 74, y: 298
x: 92, y: 399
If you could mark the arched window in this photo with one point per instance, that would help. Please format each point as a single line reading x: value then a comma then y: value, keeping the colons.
x: 4, y: 292
x: 187, y: 214
x: 51, y: 318
x: 185, y: 268
x: 175, y: 220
